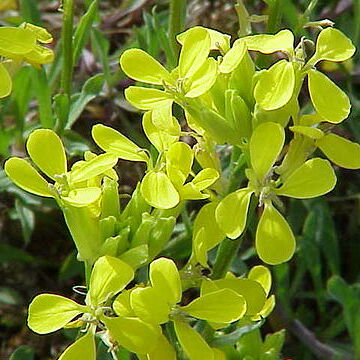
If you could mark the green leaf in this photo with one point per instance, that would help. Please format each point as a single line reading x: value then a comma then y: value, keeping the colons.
x: 231, y: 213
x: 268, y: 44
x: 48, y: 313
x: 275, y: 242
x: 90, y: 169
x: 262, y: 275
x: 150, y: 305
x: 266, y: 144
x: 328, y: 99
x: 114, y: 142
x: 275, y: 86
x: 109, y: 276
x: 140, y: 66
x: 203, y: 79
x: 146, y: 98
x: 81, y: 348
x: 165, y: 279
x: 5, y: 81
x: 26, y: 177
x: 23, y: 352
x: 314, y: 178
x: 233, y: 57
x: 341, y: 151
x: 332, y: 45
x: 89, y: 91
x: 194, y: 52
x: 47, y: 152
x: 194, y: 346
x: 133, y: 334
x: 222, y: 306
x: 27, y: 219
x: 158, y: 191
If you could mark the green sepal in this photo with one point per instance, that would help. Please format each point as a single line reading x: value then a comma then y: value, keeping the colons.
x: 275, y: 241
x: 158, y: 190
x: 150, y: 305
x: 146, y: 98
x: 5, y: 81
x: 136, y: 256
x: 275, y: 86
x: 328, y: 99
x: 47, y: 152
x: 199, y: 247
x: 114, y: 142
x: 332, y: 45
x: 140, y: 66
x: 133, y: 334
x: 314, y: 178
x: 82, y: 348
x: 223, y: 306
x: 49, y: 312
x: 26, y: 177
x: 110, y: 202
x: 231, y: 212
x: 266, y: 144
x: 109, y: 276
x: 340, y: 151
x: 165, y: 279
x: 194, y: 346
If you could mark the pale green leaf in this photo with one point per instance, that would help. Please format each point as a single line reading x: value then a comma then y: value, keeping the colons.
x: 341, y: 151
x: 83, y: 348
x: 158, y: 191
x: 140, y: 66
x: 194, y: 52
x: 275, y: 242
x: 165, y: 279
x: 5, y: 81
x: 223, y: 306
x: 328, y: 99
x: 332, y: 45
x: 266, y: 144
x: 195, y: 347
x: 47, y: 152
x: 26, y: 177
x: 314, y: 178
x: 275, y: 86
x: 133, y: 334
x: 49, y: 312
x: 109, y: 276
x: 267, y: 44
x: 146, y: 98
x: 203, y: 79
x: 231, y: 213
x: 114, y: 142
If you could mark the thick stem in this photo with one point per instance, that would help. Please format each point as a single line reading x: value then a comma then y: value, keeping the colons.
x: 176, y: 22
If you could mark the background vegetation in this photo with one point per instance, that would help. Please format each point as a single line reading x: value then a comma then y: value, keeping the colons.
x: 318, y: 291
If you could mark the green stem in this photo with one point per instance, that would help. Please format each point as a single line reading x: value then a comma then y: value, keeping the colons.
x: 176, y: 22
x: 274, y: 16
x: 224, y: 257
x: 67, y: 51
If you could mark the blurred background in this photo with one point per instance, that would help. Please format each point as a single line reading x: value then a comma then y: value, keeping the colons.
x: 318, y: 292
